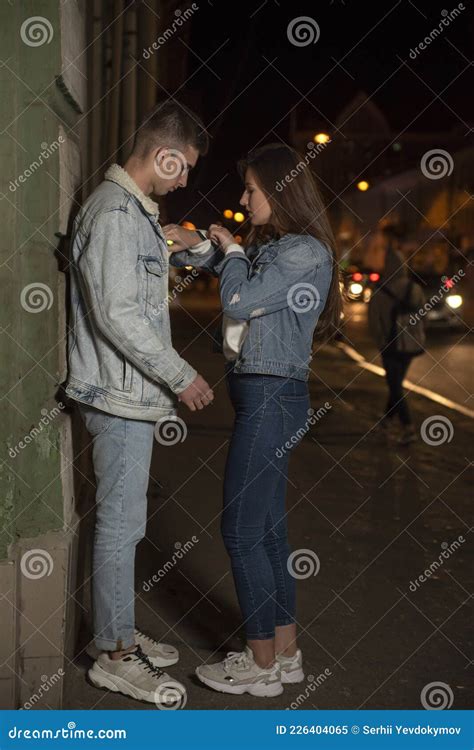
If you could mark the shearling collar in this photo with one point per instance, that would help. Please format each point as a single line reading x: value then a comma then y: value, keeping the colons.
x: 117, y: 174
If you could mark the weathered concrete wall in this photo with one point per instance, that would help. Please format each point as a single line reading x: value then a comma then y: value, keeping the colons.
x: 42, y: 88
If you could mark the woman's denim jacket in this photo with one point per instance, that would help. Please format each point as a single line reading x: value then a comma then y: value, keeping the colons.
x: 280, y: 289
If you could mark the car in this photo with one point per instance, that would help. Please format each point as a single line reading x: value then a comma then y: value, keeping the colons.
x: 359, y: 284
x: 444, y: 303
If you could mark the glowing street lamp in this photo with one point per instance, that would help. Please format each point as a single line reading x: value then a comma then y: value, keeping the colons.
x: 228, y: 213
x: 363, y: 185
x: 189, y: 225
x: 321, y: 138
x: 239, y: 217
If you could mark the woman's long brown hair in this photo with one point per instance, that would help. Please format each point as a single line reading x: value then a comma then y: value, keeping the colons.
x: 297, y: 208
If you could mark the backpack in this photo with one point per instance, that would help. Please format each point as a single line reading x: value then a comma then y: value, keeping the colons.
x: 408, y: 330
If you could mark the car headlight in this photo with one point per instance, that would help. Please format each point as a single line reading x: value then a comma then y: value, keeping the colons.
x: 454, y: 301
x: 356, y: 288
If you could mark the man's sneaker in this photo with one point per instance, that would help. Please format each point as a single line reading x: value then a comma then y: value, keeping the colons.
x: 161, y: 654
x: 238, y: 673
x: 291, y: 667
x: 136, y: 676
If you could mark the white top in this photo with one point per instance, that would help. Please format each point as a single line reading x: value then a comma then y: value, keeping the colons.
x: 234, y: 332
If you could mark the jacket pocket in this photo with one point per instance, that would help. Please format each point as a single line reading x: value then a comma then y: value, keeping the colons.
x: 155, y: 286
x: 127, y: 374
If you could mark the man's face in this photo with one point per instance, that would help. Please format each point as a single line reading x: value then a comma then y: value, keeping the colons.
x: 170, y: 168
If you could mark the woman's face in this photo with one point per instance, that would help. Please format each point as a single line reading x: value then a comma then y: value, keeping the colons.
x: 254, y: 201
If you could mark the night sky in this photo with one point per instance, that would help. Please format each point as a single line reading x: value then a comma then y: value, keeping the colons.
x: 258, y: 76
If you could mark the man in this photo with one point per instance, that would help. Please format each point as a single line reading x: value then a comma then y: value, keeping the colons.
x: 126, y: 376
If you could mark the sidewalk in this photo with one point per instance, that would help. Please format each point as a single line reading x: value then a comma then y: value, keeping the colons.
x: 376, y: 515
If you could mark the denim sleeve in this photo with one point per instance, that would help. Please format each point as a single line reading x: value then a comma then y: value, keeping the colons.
x: 293, y: 272
x: 108, y: 273
x: 205, y: 260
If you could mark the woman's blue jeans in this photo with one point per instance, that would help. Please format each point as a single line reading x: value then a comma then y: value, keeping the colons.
x: 271, y: 415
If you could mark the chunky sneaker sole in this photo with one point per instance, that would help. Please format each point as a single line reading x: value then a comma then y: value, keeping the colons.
x: 258, y: 689
x: 104, y: 680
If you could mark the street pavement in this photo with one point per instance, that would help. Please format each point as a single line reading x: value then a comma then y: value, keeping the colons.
x: 369, y: 518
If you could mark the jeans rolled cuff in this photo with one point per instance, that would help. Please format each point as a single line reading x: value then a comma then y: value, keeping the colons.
x: 105, y: 644
x: 284, y: 621
x: 260, y: 636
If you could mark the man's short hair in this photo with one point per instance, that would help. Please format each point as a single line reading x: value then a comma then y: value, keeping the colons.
x: 170, y: 124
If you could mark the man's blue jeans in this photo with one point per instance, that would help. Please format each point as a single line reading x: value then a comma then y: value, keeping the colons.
x: 271, y: 414
x: 121, y: 454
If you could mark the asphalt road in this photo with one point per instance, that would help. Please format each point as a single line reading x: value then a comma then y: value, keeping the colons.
x: 377, y: 516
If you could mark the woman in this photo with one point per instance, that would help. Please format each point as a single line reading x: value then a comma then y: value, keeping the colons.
x: 273, y: 294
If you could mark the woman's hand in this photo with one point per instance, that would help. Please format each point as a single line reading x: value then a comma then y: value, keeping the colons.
x: 221, y: 236
x: 182, y: 238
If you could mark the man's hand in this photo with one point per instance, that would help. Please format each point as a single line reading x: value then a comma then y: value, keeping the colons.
x: 182, y: 238
x: 197, y: 395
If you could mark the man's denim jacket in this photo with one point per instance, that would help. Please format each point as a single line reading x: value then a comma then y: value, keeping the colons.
x: 120, y: 355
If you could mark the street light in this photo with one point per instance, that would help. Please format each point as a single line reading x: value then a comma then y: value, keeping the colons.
x: 363, y: 185
x: 228, y: 213
x: 321, y: 138
x: 188, y: 225
x: 239, y: 217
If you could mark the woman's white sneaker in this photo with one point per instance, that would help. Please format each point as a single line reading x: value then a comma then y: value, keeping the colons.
x: 136, y: 676
x: 291, y: 667
x: 238, y: 673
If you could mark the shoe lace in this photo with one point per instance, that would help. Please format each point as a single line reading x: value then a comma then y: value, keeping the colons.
x: 144, y: 635
x: 146, y: 663
x: 239, y: 659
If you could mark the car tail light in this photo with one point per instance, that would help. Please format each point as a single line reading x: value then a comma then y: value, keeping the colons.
x: 374, y: 276
x: 357, y: 276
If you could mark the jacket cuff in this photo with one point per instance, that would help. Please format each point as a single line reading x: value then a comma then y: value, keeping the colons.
x: 187, y: 375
